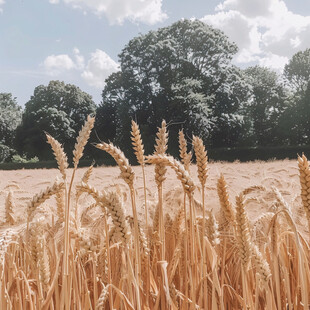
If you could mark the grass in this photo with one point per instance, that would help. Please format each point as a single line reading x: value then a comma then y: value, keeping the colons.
x: 91, y: 254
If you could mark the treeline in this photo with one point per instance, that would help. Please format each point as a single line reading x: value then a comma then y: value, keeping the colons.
x: 183, y: 74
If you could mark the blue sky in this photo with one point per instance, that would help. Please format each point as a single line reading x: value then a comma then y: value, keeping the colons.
x: 78, y: 41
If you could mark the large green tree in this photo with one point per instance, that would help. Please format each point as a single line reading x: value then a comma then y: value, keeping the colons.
x: 297, y: 71
x: 294, y: 122
x: 59, y: 109
x: 181, y: 73
x: 266, y: 105
x: 10, y: 118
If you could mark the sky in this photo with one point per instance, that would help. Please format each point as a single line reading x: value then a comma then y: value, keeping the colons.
x: 78, y: 41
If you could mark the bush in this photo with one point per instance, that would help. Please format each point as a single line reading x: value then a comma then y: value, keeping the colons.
x: 24, y: 160
x: 258, y: 153
x: 6, y: 153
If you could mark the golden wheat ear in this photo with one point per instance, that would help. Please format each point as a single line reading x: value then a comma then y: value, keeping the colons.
x: 60, y: 155
x: 185, y: 156
x: 227, y: 210
x: 182, y: 174
x: 201, y: 160
x: 38, y: 199
x: 160, y: 149
x: 304, y: 178
x: 137, y: 142
x: 9, y: 209
x: 127, y: 172
x: 82, y: 139
x: 242, y: 232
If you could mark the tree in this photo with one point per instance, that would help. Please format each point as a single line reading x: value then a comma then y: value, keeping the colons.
x: 294, y: 123
x: 10, y: 118
x: 59, y: 109
x: 181, y: 73
x: 266, y: 104
x: 297, y: 71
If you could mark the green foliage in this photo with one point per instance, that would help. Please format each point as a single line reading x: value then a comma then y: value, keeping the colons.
x: 23, y: 159
x: 181, y: 73
x: 297, y: 71
x: 6, y: 153
x: 59, y: 109
x: 266, y: 106
x: 10, y: 118
x: 244, y: 154
x: 294, y: 123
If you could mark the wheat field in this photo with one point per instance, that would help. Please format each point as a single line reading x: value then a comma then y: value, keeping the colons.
x: 166, y: 234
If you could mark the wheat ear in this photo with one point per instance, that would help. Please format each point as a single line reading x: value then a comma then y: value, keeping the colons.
x: 103, y: 298
x: 137, y: 142
x: 160, y: 149
x: 82, y: 139
x: 242, y: 232
x: 85, y: 179
x: 201, y: 160
x: 227, y: 211
x: 60, y: 155
x: 182, y: 174
x: 60, y: 203
x: 40, y: 198
x: 185, y: 157
x: 127, y: 172
x: 44, y: 264
x: 261, y: 265
x: 212, y: 229
x: 116, y: 209
x: 304, y: 178
x: 9, y: 209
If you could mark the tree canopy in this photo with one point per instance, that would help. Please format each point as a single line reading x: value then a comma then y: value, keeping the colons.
x: 59, y: 109
x: 10, y: 118
x: 297, y: 71
x: 181, y: 73
x: 266, y: 105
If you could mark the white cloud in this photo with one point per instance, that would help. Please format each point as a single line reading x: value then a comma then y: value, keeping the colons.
x: 1, y: 3
x: 240, y: 30
x: 273, y: 61
x: 98, y: 68
x: 117, y: 11
x: 56, y: 64
x: 79, y: 59
x: 265, y: 30
x: 248, y: 8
